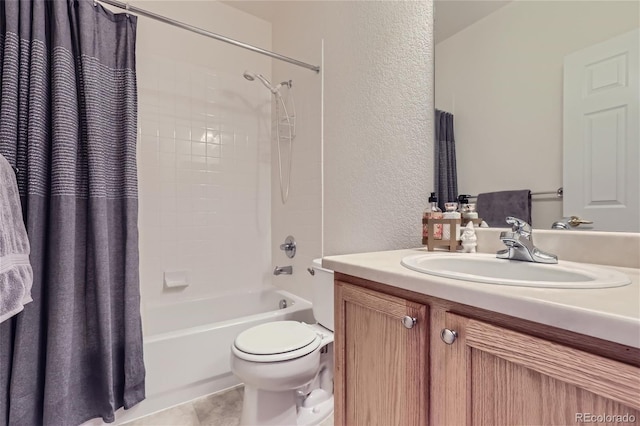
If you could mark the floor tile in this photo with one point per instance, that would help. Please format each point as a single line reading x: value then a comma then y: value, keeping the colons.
x: 221, y: 409
x: 328, y: 422
x: 181, y: 415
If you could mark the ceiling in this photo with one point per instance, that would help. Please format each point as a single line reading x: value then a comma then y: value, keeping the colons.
x: 261, y: 8
x: 451, y: 16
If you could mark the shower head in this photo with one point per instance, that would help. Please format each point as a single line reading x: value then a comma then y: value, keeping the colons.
x: 251, y: 77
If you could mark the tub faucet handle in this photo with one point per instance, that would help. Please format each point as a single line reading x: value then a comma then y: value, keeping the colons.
x: 289, y: 247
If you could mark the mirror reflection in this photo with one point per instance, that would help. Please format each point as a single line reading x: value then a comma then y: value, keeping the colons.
x: 544, y: 95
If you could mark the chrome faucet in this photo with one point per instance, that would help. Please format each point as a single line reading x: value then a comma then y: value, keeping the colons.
x: 519, y: 242
x: 560, y: 224
x: 283, y: 270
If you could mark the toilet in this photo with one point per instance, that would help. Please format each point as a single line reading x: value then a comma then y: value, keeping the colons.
x: 287, y: 366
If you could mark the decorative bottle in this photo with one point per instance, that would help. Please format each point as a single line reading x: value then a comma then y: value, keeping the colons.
x: 469, y: 213
x: 451, y: 213
x: 432, y: 212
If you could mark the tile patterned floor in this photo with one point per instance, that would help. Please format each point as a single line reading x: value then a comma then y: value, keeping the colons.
x: 221, y: 409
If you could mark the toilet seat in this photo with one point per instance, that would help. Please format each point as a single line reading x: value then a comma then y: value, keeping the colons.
x: 276, y: 341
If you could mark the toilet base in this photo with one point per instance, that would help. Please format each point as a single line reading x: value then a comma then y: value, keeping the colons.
x: 269, y: 408
x: 315, y: 415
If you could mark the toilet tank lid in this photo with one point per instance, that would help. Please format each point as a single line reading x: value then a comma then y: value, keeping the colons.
x: 317, y: 264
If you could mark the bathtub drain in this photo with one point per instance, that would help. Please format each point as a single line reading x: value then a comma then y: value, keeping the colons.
x: 283, y: 304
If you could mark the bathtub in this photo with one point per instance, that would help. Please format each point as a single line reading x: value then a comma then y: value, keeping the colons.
x: 187, y: 344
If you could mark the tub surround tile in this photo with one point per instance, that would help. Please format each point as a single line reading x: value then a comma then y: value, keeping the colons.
x: 185, y: 103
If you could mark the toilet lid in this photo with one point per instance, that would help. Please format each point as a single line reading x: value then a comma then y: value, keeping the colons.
x: 275, y: 338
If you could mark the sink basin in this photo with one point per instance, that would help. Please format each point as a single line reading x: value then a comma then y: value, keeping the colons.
x: 486, y: 268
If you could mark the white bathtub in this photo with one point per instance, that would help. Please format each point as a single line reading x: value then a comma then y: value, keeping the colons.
x: 187, y: 344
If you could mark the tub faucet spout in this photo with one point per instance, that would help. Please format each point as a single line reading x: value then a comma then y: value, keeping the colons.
x: 283, y: 270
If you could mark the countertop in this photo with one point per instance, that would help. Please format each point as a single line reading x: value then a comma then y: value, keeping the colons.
x: 611, y: 314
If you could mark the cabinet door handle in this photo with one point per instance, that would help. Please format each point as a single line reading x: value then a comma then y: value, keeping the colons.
x: 408, y: 321
x: 448, y: 336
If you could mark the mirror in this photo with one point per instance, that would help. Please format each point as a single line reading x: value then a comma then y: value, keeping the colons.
x: 499, y: 69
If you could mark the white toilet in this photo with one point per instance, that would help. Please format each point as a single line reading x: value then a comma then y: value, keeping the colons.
x: 287, y: 366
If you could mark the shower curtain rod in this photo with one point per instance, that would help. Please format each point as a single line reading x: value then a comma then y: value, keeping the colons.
x: 164, y: 19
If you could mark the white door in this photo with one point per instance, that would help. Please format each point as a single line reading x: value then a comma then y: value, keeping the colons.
x: 601, y: 134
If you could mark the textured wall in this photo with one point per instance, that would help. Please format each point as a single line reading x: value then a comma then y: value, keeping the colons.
x: 378, y: 124
x: 502, y: 78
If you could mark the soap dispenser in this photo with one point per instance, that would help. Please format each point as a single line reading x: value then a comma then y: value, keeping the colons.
x: 463, y: 201
x: 432, y: 212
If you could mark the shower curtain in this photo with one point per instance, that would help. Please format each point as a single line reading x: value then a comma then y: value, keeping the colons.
x: 68, y: 107
x: 446, y: 175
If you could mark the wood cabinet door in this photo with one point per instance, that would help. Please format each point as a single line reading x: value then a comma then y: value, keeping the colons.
x: 495, y: 376
x: 381, y: 365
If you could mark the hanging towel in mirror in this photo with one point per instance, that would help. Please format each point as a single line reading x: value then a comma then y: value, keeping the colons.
x: 494, y: 207
x: 16, y: 275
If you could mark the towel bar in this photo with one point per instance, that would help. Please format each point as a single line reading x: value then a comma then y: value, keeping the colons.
x: 558, y: 193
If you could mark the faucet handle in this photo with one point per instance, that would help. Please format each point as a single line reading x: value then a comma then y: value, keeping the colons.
x: 289, y: 247
x: 519, y: 226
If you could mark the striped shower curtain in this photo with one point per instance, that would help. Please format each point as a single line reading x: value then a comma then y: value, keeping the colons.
x: 446, y: 175
x: 68, y: 107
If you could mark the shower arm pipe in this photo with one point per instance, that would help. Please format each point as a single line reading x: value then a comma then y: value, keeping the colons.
x: 188, y: 27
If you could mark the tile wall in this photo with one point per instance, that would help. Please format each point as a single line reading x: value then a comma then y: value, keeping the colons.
x: 204, y: 155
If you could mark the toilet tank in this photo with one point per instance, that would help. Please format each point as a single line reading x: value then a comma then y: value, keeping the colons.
x: 322, y: 286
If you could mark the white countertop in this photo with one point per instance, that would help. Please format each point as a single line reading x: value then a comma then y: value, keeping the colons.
x: 611, y: 314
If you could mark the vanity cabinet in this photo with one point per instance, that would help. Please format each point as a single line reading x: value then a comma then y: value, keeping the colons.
x: 460, y: 365
x: 496, y: 376
x: 381, y: 358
